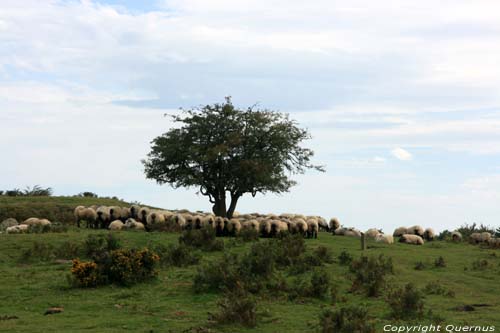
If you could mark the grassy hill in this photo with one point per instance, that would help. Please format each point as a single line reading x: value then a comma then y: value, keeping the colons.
x: 168, y: 304
x: 56, y: 209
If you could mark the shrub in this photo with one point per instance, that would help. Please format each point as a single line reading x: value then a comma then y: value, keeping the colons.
x: 260, y: 261
x: 218, y: 276
x: 323, y: 254
x: 236, y: 307
x: 345, y: 258
x: 96, y: 245
x: 176, y: 255
x: 320, y: 283
x: 57, y: 227
x: 289, y: 248
x: 435, y: 288
x: 8, y: 223
x: 248, y: 235
x: 68, y: 250
x: 406, y: 302
x: 466, y: 230
x: 419, y: 266
x: 439, y: 262
x: 38, y: 251
x: 369, y: 274
x: 204, y: 238
x: 85, y: 274
x: 346, y: 320
x: 480, y: 264
x: 124, y: 267
x: 38, y: 229
x: 444, y: 235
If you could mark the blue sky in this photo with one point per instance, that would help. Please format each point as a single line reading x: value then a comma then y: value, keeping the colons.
x: 402, y: 98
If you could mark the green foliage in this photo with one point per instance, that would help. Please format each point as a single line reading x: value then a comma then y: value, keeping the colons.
x: 419, y: 266
x: 439, y: 262
x: 96, y: 245
x: 219, y: 275
x: 39, y: 251
x: 406, y: 302
x: 236, y: 306
x: 219, y: 148
x: 204, y: 239
x: 124, y: 267
x: 248, y: 235
x: 345, y: 258
x: 480, y: 265
x: 178, y: 255
x: 435, y: 288
x: 369, y: 274
x: 35, y: 191
x: 347, y: 319
x: 467, y: 229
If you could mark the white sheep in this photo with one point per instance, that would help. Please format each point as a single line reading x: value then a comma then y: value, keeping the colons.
x: 134, y: 211
x: 102, y: 216
x: 155, y: 217
x: 8, y: 223
x: 251, y: 224
x: 340, y: 231
x: 429, y: 234
x: 383, y: 238
x: 411, y: 239
x: 133, y: 224
x: 312, y: 228
x: 115, y: 213
x: 31, y: 221
x: 116, y: 225
x: 88, y: 215
x: 456, y: 236
x: 352, y: 232
x: 400, y: 232
x: 142, y: 214
x: 372, y: 233
x: 265, y: 227
x: 197, y: 222
x: 334, y: 224
x: 300, y: 226
x: 234, y: 227
x: 416, y: 230
x: 177, y: 221
x: 208, y: 221
x: 17, y: 229
x: 477, y: 237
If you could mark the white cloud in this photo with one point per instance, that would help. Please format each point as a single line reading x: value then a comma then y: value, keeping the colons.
x: 401, y: 154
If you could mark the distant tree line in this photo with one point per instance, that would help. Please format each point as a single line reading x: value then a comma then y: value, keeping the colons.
x: 35, y: 191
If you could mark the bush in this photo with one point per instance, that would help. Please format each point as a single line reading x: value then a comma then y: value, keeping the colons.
x: 323, y: 254
x: 124, y: 267
x: 218, y: 276
x: 176, y: 255
x: 346, y: 320
x: 204, y: 238
x: 96, y: 245
x: 248, y: 235
x: 435, y: 288
x: 466, y: 230
x: 68, y: 250
x: 345, y: 258
x: 444, y: 235
x: 38, y: 229
x: 317, y: 286
x: 406, y: 303
x: 39, y: 251
x: 480, y: 264
x: 236, y: 307
x: 369, y: 274
x: 419, y: 266
x: 260, y: 261
x: 8, y: 223
x: 439, y: 262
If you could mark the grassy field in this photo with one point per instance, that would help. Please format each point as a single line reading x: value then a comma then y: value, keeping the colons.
x: 56, y: 209
x: 168, y: 304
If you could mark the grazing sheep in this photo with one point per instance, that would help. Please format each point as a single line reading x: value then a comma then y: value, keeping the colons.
x: 251, y: 224
x: 31, y: 221
x: 312, y: 228
x: 400, y: 232
x: 429, y: 234
x: 125, y: 214
x: 177, y: 221
x: 189, y: 221
x: 133, y: 224
x: 300, y: 227
x: 485, y: 236
x: 456, y: 236
x: 102, y: 216
x: 134, y: 211
x: 142, y: 214
x: 416, y: 230
x: 115, y: 213
x: 382, y: 238
x: 411, y: 239
x: 494, y: 242
x: 477, y: 237
x: 340, y: 231
x: 197, y: 222
x: 372, y: 233
x: 352, y: 232
x: 233, y: 227
x: 44, y: 222
x: 334, y: 224
x: 219, y: 225
x: 116, y: 225
x: 265, y: 227
x: 17, y: 229
x: 154, y: 218
x: 76, y: 214
x: 86, y: 214
x: 323, y: 225
x: 10, y: 222
x: 208, y: 221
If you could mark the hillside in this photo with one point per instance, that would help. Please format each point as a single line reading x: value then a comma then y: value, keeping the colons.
x: 56, y: 209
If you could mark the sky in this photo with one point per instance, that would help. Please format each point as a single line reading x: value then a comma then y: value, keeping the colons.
x: 402, y: 99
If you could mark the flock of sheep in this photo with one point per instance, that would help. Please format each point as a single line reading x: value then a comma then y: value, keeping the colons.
x: 144, y: 218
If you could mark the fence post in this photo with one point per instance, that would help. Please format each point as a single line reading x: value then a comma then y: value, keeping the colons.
x: 363, y: 241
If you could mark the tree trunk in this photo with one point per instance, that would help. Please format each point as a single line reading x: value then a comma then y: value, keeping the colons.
x: 219, y: 207
x: 232, y: 205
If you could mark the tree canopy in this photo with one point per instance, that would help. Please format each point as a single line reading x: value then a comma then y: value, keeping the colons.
x: 222, y: 149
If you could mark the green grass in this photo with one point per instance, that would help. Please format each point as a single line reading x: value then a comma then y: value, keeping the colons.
x: 56, y: 209
x: 168, y: 304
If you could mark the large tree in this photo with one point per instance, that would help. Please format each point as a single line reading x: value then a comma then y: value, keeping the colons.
x: 224, y: 150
